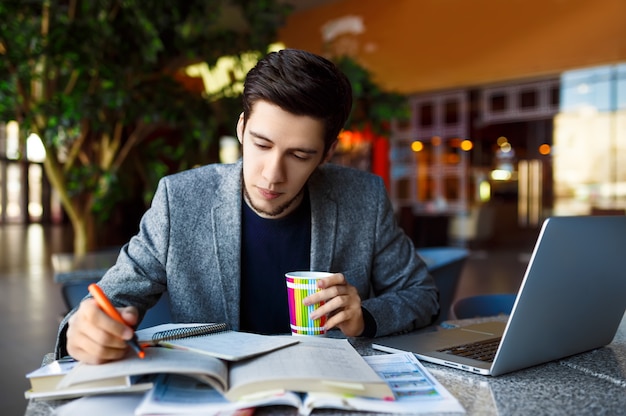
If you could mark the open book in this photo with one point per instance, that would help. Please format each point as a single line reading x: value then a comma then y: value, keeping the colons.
x: 416, y: 391
x: 311, y: 365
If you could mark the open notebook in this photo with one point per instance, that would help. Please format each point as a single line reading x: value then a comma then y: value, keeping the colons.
x: 572, y: 299
x: 213, y: 339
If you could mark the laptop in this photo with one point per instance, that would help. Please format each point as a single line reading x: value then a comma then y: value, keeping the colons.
x: 572, y: 299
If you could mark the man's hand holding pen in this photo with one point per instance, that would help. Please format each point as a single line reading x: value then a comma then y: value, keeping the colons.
x: 94, y: 337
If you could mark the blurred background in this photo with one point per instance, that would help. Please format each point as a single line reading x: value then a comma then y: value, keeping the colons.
x: 483, y: 118
x: 476, y: 114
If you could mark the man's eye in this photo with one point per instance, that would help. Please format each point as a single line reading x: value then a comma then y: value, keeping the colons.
x: 300, y: 156
x: 261, y: 146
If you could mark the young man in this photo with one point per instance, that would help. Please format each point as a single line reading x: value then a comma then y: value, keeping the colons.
x: 220, y: 238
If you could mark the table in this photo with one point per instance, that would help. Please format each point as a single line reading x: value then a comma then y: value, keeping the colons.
x: 592, y: 383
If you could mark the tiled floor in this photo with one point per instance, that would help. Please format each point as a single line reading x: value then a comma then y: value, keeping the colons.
x: 31, y: 305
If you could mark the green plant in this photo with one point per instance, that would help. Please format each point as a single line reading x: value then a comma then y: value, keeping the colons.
x: 373, y: 107
x: 97, y: 80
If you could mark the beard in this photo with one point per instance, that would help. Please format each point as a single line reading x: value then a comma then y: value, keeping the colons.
x: 276, y: 211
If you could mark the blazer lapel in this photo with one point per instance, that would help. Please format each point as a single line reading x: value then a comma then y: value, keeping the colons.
x: 226, y: 219
x: 323, y: 223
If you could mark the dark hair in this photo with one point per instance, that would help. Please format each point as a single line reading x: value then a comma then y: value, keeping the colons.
x: 301, y: 83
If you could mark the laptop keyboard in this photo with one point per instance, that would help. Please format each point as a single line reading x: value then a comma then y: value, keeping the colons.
x: 481, y: 350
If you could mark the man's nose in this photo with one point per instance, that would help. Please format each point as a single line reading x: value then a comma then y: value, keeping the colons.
x: 274, y: 169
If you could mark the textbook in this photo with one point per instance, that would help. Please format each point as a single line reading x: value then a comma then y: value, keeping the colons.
x: 44, y: 383
x: 416, y: 391
x: 214, y: 339
x: 312, y: 365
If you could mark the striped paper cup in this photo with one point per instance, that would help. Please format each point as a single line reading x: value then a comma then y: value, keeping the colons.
x: 299, y: 286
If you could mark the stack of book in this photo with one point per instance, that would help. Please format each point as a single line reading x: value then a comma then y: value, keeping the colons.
x: 194, y: 368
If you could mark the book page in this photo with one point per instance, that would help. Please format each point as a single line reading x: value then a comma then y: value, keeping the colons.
x: 80, y: 391
x: 414, y: 388
x: 105, y: 405
x: 157, y: 360
x: 174, y: 394
x: 314, y: 364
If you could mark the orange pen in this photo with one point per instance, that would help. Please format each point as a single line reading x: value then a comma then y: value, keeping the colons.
x: 105, y: 304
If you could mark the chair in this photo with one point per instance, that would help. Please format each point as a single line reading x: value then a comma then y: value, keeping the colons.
x: 445, y: 264
x: 73, y: 291
x: 484, y: 305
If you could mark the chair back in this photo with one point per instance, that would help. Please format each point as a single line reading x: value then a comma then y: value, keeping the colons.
x: 484, y: 305
x: 445, y: 264
x: 74, y: 291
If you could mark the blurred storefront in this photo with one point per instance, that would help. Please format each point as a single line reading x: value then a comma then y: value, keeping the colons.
x: 512, y: 154
x: 472, y: 156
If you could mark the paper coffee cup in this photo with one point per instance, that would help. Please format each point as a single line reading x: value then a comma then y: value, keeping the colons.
x: 299, y: 286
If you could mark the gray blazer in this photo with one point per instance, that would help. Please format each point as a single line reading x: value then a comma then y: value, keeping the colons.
x: 189, y: 244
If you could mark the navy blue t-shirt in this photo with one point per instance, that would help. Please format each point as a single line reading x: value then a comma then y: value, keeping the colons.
x: 269, y: 249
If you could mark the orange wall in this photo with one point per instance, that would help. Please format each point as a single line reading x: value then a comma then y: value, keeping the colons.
x: 423, y: 45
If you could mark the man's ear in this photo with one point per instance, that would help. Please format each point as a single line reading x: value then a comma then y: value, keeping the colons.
x: 330, y: 152
x: 240, y: 128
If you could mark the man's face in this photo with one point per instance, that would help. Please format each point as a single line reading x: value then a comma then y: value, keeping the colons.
x: 280, y: 151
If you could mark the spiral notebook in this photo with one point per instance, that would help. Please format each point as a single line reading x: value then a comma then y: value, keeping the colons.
x: 214, y: 339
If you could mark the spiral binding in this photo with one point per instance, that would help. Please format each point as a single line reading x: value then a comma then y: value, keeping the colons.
x: 190, y: 331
